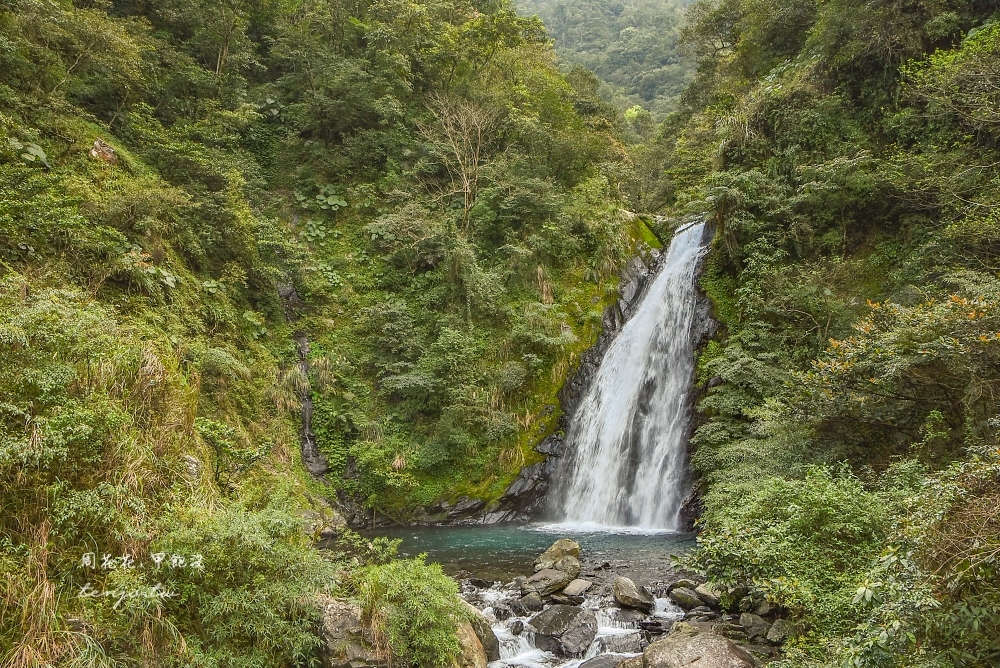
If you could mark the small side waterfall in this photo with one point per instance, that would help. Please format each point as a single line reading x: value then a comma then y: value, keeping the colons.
x: 625, y: 461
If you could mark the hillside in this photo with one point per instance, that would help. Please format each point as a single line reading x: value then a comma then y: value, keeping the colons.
x: 847, y: 155
x: 633, y: 47
x: 437, y: 205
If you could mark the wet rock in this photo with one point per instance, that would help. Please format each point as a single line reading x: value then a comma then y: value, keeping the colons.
x: 628, y: 595
x: 502, y: 612
x: 654, y: 626
x: 684, y: 597
x: 524, y: 494
x: 344, y: 644
x: 755, y: 625
x: 622, y: 643
x: 604, y: 661
x: 472, y: 654
x: 779, y: 631
x: 708, y: 594
x: 565, y: 630
x: 551, y: 445
x: 569, y: 565
x: 685, y: 647
x: 684, y: 582
x: 546, y: 582
x: 729, y: 630
x: 702, y: 613
x: 564, y: 547
x: 480, y: 583
x: 566, y: 600
x: 516, y: 628
x: 484, y: 631
x: 765, y: 608
x: 577, y: 587
x: 531, y: 603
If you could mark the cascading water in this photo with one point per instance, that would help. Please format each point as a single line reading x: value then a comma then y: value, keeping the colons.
x: 625, y: 463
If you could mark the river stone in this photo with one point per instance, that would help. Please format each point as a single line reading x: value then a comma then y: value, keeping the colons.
x: 685, y: 598
x: 546, y: 582
x: 708, y: 594
x: 472, y: 654
x: 569, y: 565
x: 779, y: 631
x: 566, y: 600
x: 755, y: 625
x: 622, y: 643
x: 687, y: 648
x: 634, y: 662
x: 604, y: 661
x: 577, y: 587
x: 564, y: 547
x: 516, y: 627
x: 343, y: 637
x: 484, y: 631
x: 564, y: 630
x: 684, y: 582
x: 531, y: 603
x: 630, y: 596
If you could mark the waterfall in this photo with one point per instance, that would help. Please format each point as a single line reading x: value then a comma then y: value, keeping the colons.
x: 625, y: 462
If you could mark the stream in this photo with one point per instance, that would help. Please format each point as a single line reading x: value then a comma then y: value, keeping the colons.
x: 486, y: 560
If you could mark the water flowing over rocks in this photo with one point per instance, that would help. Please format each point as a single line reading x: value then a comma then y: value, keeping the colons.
x: 565, y: 630
x: 605, y: 619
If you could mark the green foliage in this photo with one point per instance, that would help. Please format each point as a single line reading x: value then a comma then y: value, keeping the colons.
x: 413, y: 608
x: 845, y: 155
x: 801, y: 543
x: 633, y: 47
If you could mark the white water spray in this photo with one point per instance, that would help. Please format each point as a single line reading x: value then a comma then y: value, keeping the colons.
x: 625, y: 460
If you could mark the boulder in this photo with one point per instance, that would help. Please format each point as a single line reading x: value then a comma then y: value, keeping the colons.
x: 484, y: 631
x: 687, y: 648
x: 577, y: 587
x: 779, y: 631
x: 344, y: 643
x: 569, y: 565
x: 683, y: 582
x: 684, y: 597
x: 634, y: 662
x: 709, y: 595
x: 604, y: 661
x: 564, y: 547
x: 628, y: 595
x: 516, y: 627
x: 501, y: 612
x: 622, y: 643
x: 566, y: 600
x: 565, y: 630
x: 531, y: 603
x: 473, y: 655
x: 546, y: 582
x: 765, y: 608
x: 755, y: 625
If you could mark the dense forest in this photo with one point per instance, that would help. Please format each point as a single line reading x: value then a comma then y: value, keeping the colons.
x: 634, y: 47
x: 848, y: 446
x: 187, y: 186
x: 447, y: 210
